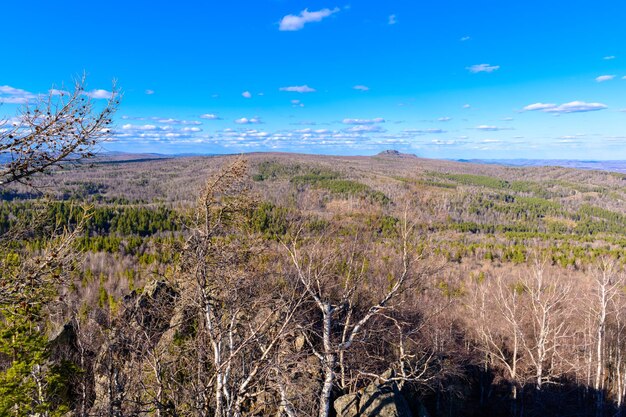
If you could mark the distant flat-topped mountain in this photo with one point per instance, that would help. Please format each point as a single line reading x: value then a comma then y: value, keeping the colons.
x: 393, y: 152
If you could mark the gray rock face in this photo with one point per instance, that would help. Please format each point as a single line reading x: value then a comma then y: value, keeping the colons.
x: 65, y: 348
x: 347, y: 405
x: 143, y: 322
x: 386, y: 401
x: 381, y: 399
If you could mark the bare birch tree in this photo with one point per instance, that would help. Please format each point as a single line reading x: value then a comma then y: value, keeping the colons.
x: 335, y: 274
x: 242, y: 313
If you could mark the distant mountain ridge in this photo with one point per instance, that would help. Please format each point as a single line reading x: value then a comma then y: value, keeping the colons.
x: 599, y: 165
x: 613, y: 166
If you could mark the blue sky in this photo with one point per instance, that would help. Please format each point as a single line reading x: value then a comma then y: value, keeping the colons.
x: 445, y: 79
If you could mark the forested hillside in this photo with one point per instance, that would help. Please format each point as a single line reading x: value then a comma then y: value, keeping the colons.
x: 286, y: 284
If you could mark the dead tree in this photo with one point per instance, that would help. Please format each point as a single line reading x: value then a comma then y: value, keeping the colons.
x: 61, y: 127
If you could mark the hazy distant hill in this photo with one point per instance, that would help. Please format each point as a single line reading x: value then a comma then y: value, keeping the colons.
x: 614, y: 166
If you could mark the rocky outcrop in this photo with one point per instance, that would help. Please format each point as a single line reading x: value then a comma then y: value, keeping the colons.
x: 381, y: 398
x: 347, y: 405
x: 144, y: 320
x: 151, y: 310
x: 69, y: 354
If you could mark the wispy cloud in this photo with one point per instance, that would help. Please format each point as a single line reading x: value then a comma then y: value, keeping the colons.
x: 246, y: 94
x: 474, y: 69
x: 361, y: 87
x: 609, y: 57
x: 603, y: 78
x: 363, y: 121
x: 298, y: 89
x: 571, y: 107
x: 392, y: 20
x: 292, y: 22
x: 444, y: 119
x: 149, y: 92
x: 465, y: 39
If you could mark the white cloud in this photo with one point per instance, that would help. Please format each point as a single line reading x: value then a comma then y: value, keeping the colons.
x: 210, y: 116
x: 145, y: 127
x: 175, y: 121
x: 149, y: 92
x: 155, y: 133
x: 161, y: 125
x: 7, y: 89
x: 364, y: 129
x: 571, y: 107
x: 423, y: 131
x: 363, y: 121
x: 99, y: 94
x: 439, y: 142
x: 361, y: 87
x: 14, y: 100
x: 609, y: 57
x: 55, y: 92
x: 474, y: 69
x: 248, y: 121
x: 465, y: 38
x: 12, y: 95
x: 298, y: 89
x: 539, y: 106
x: 444, y: 119
x: 246, y: 94
x: 292, y: 22
x: 488, y: 128
x: 603, y: 78
x: 467, y: 106
x: 392, y: 19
